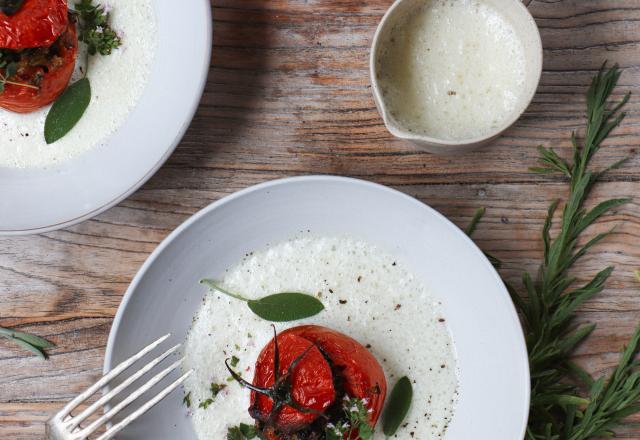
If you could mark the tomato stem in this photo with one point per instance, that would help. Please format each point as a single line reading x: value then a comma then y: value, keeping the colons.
x: 210, y: 284
x: 281, y: 390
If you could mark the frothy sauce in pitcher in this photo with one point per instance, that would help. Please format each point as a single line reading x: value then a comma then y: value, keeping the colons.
x: 452, y: 70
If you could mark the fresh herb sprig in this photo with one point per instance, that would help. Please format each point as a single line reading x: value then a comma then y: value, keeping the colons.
x: 95, y: 28
x: 357, y: 421
x: 566, y: 402
x: 34, y: 344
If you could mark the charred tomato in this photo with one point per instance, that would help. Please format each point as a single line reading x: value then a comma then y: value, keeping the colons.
x: 306, y: 387
x: 361, y: 374
x: 32, y: 23
x: 39, y: 75
x: 302, y: 376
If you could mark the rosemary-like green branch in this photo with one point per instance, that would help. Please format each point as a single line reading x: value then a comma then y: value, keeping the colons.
x: 566, y: 402
x: 34, y: 344
x: 558, y: 409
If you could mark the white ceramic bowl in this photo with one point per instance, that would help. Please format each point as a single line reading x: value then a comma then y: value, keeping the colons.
x: 492, y: 358
x: 515, y: 13
x: 40, y: 200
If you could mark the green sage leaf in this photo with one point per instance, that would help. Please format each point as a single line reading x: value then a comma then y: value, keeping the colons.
x: 67, y: 110
x: 279, y: 307
x: 397, y: 406
x: 287, y: 306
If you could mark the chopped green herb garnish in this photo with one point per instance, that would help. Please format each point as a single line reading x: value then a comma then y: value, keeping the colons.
x: 244, y: 432
x: 187, y: 400
x: 205, y: 403
x: 216, y: 388
x: 234, y: 361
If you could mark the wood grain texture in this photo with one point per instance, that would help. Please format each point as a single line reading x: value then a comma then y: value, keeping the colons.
x: 288, y: 94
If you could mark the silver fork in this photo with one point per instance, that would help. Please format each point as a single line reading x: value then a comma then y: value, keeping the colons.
x: 64, y: 426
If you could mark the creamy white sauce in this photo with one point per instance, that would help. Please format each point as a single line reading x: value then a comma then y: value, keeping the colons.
x: 453, y: 70
x: 117, y: 82
x: 411, y: 340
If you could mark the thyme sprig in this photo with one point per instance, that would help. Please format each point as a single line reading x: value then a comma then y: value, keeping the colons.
x: 95, y: 28
x: 566, y: 402
x: 356, y: 421
x: 34, y: 344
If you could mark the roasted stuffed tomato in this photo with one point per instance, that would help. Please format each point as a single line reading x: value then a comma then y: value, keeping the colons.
x: 38, y: 50
x: 26, y: 24
x: 303, y: 378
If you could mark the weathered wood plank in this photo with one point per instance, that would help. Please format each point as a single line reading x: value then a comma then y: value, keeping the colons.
x: 288, y: 94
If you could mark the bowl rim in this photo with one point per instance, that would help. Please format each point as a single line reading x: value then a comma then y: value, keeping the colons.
x: 471, y: 143
x: 167, y: 241
x: 188, y: 117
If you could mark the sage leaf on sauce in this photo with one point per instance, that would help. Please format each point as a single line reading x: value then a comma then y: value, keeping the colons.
x: 397, y: 406
x: 287, y: 306
x: 279, y: 307
x: 67, y: 110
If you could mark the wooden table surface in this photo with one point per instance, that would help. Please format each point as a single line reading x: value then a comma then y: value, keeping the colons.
x: 288, y: 94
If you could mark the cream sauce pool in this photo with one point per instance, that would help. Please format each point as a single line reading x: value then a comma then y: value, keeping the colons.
x: 367, y: 294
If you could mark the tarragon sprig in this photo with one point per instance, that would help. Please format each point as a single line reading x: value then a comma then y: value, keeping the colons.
x: 34, y: 344
x: 566, y: 402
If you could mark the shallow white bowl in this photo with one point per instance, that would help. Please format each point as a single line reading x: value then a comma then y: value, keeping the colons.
x: 492, y: 358
x: 40, y: 200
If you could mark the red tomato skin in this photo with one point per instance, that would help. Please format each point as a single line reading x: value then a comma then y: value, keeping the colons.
x: 21, y: 99
x: 312, y: 382
x: 37, y: 23
x: 362, y: 373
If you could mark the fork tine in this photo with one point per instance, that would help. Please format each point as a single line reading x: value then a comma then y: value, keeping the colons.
x: 146, y: 407
x: 106, y: 379
x: 77, y: 420
x: 130, y: 398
